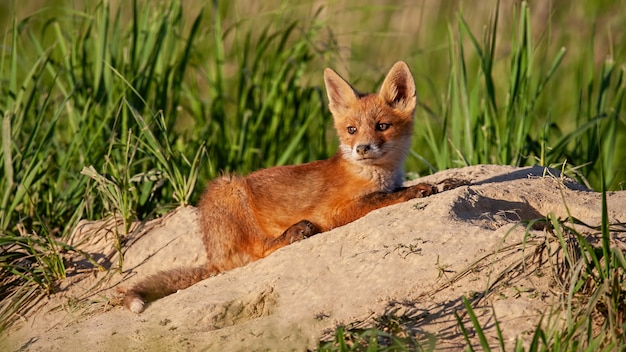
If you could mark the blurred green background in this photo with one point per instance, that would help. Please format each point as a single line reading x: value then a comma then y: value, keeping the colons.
x: 362, y: 40
x: 126, y: 109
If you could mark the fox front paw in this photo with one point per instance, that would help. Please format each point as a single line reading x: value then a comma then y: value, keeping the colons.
x: 421, y: 190
x: 451, y: 183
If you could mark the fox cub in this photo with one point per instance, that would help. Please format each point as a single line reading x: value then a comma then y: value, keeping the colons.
x: 247, y: 218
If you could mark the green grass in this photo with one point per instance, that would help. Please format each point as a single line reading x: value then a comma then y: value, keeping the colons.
x: 125, y: 109
x: 496, y: 111
x: 108, y: 117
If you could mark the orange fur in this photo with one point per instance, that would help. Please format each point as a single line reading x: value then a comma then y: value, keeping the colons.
x: 247, y: 218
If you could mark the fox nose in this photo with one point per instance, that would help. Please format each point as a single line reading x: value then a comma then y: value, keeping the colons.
x: 363, y: 149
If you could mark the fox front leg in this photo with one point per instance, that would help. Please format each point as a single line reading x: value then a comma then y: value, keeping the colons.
x: 296, y: 232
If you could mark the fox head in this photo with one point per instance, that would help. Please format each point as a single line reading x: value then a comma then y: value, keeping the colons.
x: 374, y: 129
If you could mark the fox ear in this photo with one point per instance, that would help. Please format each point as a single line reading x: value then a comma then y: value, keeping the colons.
x: 341, y: 95
x: 398, y: 89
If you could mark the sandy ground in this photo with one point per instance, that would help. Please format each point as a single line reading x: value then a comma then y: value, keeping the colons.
x: 412, y: 262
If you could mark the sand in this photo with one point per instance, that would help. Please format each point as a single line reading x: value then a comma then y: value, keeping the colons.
x: 413, y: 262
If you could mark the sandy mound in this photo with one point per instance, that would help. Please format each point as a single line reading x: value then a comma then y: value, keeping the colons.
x: 413, y: 261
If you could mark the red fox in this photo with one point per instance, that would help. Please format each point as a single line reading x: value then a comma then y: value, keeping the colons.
x: 247, y: 218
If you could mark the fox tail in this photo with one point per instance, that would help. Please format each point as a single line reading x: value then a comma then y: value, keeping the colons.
x: 163, y: 284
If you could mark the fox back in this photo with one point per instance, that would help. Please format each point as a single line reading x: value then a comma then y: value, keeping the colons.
x: 247, y: 218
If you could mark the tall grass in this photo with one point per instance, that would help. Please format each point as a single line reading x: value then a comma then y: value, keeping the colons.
x: 106, y: 113
x: 497, y: 113
x: 124, y: 109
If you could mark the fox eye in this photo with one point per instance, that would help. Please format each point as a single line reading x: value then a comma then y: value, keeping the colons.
x: 351, y: 129
x: 382, y: 126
